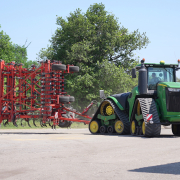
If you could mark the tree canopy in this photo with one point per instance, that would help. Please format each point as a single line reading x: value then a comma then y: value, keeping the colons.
x: 100, y: 46
x: 93, y: 36
x: 11, y: 52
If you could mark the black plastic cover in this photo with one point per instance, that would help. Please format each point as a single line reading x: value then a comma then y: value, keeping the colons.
x: 122, y: 99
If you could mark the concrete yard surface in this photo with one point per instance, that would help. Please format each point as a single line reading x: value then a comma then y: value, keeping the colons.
x: 67, y: 154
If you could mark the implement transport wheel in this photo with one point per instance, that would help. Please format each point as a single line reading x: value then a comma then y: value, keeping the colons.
x: 103, y: 129
x: 64, y: 124
x: 64, y: 99
x: 94, y: 127
x: 106, y: 109
x: 58, y: 67
x: 73, y: 68
x: 133, y: 127
x: 71, y: 99
x: 119, y: 127
x: 176, y: 129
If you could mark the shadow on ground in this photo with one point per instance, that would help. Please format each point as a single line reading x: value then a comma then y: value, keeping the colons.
x: 139, y: 136
x: 171, y: 168
x: 25, y: 133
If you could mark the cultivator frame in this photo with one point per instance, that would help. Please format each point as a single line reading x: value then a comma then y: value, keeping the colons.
x: 36, y: 93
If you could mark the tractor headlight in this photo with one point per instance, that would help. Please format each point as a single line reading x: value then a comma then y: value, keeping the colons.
x: 173, y: 89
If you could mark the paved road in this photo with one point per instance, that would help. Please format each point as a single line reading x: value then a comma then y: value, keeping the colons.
x: 76, y: 154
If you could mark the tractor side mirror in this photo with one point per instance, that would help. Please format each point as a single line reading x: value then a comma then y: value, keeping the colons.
x: 102, y: 95
x: 133, y: 73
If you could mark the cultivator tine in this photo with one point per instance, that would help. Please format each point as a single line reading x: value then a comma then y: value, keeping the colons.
x: 34, y: 120
x: 14, y: 121
x: 28, y: 123
x: 53, y: 127
x: 27, y: 120
x: 22, y: 123
x: 51, y: 124
x: 42, y: 124
x: 15, y: 124
x: 5, y: 123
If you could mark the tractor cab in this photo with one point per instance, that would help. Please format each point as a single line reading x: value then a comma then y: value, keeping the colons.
x: 157, y: 73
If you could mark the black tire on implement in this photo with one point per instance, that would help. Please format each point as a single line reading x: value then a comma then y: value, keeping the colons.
x: 64, y: 99
x: 73, y: 68
x: 71, y: 99
x: 58, y: 67
x: 64, y: 124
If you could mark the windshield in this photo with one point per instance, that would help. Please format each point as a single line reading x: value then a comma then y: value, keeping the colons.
x: 156, y: 75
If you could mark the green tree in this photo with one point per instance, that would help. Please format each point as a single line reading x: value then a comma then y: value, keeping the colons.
x: 11, y: 52
x: 93, y: 36
x: 111, y: 78
x: 102, y: 49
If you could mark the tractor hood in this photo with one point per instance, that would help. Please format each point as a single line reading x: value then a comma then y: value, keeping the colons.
x: 170, y: 84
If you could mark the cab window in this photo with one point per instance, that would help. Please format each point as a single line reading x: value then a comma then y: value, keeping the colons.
x: 156, y: 75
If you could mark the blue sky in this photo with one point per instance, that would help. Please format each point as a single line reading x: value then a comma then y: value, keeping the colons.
x: 36, y: 22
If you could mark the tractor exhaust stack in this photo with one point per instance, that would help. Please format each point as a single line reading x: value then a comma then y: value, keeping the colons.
x: 142, y: 82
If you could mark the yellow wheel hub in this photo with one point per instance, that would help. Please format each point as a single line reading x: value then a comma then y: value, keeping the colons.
x: 133, y: 127
x: 106, y: 109
x: 143, y: 128
x: 119, y: 126
x: 94, y: 127
x: 138, y: 109
x: 109, y: 110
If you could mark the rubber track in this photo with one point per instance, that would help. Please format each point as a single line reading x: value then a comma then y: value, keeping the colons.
x: 122, y: 116
x: 148, y: 106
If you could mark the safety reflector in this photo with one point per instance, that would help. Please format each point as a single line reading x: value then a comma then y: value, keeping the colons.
x: 56, y: 115
x: 149, y: 117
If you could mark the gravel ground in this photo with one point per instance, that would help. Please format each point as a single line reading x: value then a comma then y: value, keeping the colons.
x: 76, y: 154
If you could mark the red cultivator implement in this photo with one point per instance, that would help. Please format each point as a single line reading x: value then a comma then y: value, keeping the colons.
x: 37, y: 93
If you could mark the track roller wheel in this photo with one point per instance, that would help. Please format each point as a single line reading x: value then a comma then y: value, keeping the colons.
x: 133, y: 127
x: 94, y: 127
x: 176, y: 129
x: 106, y: 109
x: 103, y: 129
x: 143, y: 128
x: 110, y: 129
x: 139, y: 112
x: 119, y: 127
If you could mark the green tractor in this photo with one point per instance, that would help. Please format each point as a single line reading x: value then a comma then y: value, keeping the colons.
x: 154, y: 102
